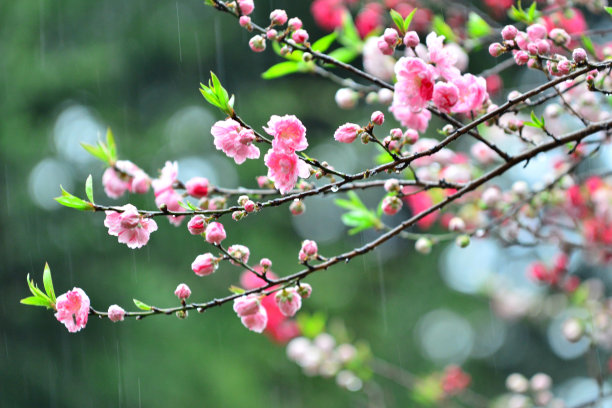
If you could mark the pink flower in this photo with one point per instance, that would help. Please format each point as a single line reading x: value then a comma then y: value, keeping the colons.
x: 215, y: 233
x: 140, y: 183
x: 73, y: 309
x: 197, y: 187
x: 369, y: 19
x: 347, y: 133
x: 114, y: 185
x: 415, y: 83
x: 234, y: 141
x: 256, y: 322
x: 182, y: 291
x: 246, y: 6
x: 289, y: 133
x: 239, y: 252
x: 196, y: 225
x: 284, y: 169
x: 445, y: 96
x: 246, y: 305
x: 416, y: 120
x: 129, y: 226
x: 328, y: 14
x: 116, y: 313
x: 288, y: 301
x: 170, y: 199
x: 442, y: 57
x: 204, y: 264
x: 472, y: 93
x: 165, y: 195
x: 483, y: 153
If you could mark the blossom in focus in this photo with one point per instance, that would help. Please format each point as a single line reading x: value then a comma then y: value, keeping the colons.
x: 284, y: 169
x: 445, y: 96
x: 472, y: 93
x: 204, y: 264
x: 129, y: 226
x: 443, y: 58
x: 246, y: 6
x: 234, y: 140
x: 239, y: 252
x: 182, y: 291
x: 415, y: 83
x: 73, y: 309
x: 418, y: 121
x: 289, y: 133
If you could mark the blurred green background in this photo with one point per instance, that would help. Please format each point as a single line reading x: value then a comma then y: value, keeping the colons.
x: 68, y: 70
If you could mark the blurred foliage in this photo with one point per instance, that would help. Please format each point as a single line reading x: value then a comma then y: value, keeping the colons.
x: 134, y: 65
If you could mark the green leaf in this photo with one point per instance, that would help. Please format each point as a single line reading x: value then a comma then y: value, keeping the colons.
x: 112, y: 146
x: 89, y: 189
x: 588, y: 44
x: 441, y: 28
x: 532, y: 13
x: 141, y: 305
x: 609, y: 10
x: 37, y: 301
x: 96, y: 152
x: 48, y: 283
x: 344, y: 54
x: 34, y: 289
x: 398, y: 20
x: 237, y: 290
x: 349, y: 36
x: 281, y: 69
x: 323, y: 43
x: 68, y: 200
x: 477, y: 27
x: 408, y: 19
x: 188, y: 206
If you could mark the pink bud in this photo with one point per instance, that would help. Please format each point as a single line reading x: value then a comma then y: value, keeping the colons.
x: 411, y: 136
x: 278, y: 17
x: 532, y: 48
x: 560, y: 37
x: 347, y: 133
x: 257, y: 43
x: 411, y: 39
x: 288, y: 301
x: 294, y: 24
x: 256, y: 322
x: 564, y: 67
x: 378, y: 118
x: 246, y: 305
x: 509, y: 32
x: 304, y: 290
x: 579, y: 55
x: 392, y: 185
x: 521, y: 57
x: 239, y: 252
x: 215, y: 233
x: 196, y: 225
x: 390, y: 36
x: 297, y: 207
x: 396, y: 133
x: 543, y: 47
x: 265, y: 263
x: 182, y: 291
x: 536, y: 32
x: 391, y: 205
x: 238, y: 215
x: 204, y: 264
x: 309, y: 248
x: 384, y: 47
x: 245, y: 21
x: 249, y: 206
x: 300, y: 36
x: 496, y: 49
x: 271, y: 34
x: 116, y: 313
x: 197, y: 187
x: 246, y: 6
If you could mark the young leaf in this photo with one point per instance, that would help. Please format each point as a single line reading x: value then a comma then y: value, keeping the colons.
x: 48, y: 283
x: 323, y: 43
x: 477, y: 27
x: 34, y: 289
x: 188, y: 206
x: 68, y: 200
x: 37, y: 301
x: 141, y: 305
x: 398, y: 20
x: 236, y: 290
x: 408, y: 19
x: 112, y: 146
x: 89, y: 189
x: 588, y: 44
x: 609, y: 10
x: 96, y: 152
x: 281, y: 69
x: 441, y: 28
x: 532, y: 13
x: 349, y: 36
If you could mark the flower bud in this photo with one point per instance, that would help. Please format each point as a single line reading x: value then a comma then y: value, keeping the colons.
x: 265, y: 263
x: 288, y: 301
x: 310, y: 248
x: 242, y: 199
x: 256, y: 322
x: 182, y: 314
x: 271, y: 34
x: 204, y: 264
x: 560, y: 37
x: 240, y: 252
x: 346, y: 98
x: 249, y: 206
x: 278, y: 17
x: 392, y: 185
x: 520, y: 188
x: 196, y: 225
x: 238, y: 215
x: 215, y: 233
x: 304, y: 290
x: 411, y: 136
x: 491, y: 196
x: 411, y: 39
x: 347, y: 133
x: 300, y: 36
x: 246, y: 305
x: 384, y: 47
x: 378, y: 118
x: 116, y: 313
x: 246, y: 6
x: 385, y: 96
x: 371, y: 97
x: 197, y: 187
x: 509, y: 32
x: 257, y: 43
x: 297, y: 207
x: 245, y: 21
x: 521, y: 57
x: 390, y: 36
x: 423, y: 245
x: 391, y: 205
x: 579, y: 55
x: 182, y: 291
x: 294, y: 24
x: 572, y: 329
x: 496, y: 49
x: 536, y: 32
x: 543, y: 47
